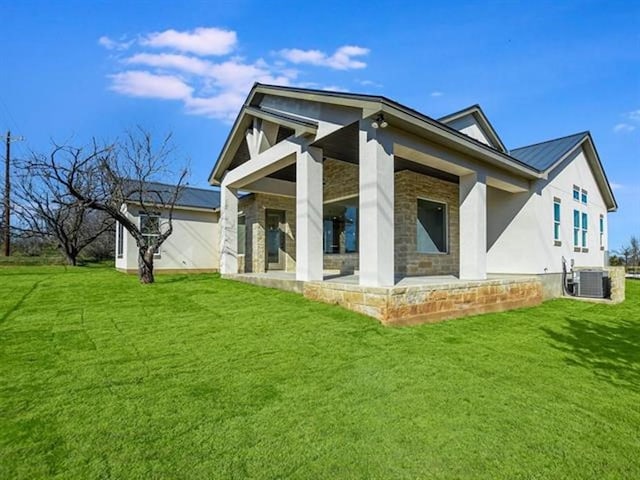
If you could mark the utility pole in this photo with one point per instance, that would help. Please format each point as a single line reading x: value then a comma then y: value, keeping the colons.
x: 7, y: 193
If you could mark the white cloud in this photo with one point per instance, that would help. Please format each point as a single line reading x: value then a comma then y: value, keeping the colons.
x: 200, y: 41
x: 342, y: 58
x: 136, y: 83
x: 171, y: 61
x: 436, y: 93
x: 111, y: 44
x: 634, y: 115
x: 616, y: 186
x: 623, y: 128
x: 369, y: 83
x: 208, y: 86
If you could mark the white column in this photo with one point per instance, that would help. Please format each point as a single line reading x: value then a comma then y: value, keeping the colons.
x: 376, y: 233
x: 473, y: 227
x: 309, y: 214
x: 228, y: 230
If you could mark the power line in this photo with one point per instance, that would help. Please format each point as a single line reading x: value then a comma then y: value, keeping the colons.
x: 7, y: 192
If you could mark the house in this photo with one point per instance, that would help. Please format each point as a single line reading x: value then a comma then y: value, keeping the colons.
x: 361, y: 201
x: 193, y: 245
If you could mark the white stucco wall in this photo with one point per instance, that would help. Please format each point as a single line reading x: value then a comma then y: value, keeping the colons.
x: 520, y: 226
x: 469, y: 126
x: 193, y: 245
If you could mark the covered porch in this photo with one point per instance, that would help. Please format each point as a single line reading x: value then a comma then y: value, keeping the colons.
x: 380, y: 205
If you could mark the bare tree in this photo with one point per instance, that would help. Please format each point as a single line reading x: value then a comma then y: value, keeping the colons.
x: 107, y: 177
x: 45, y: 209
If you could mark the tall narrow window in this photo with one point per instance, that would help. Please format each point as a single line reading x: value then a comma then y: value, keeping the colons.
x: 576, y: 228
x: 150, y: 228
x: 576, y: 193
x: 583, y: 196
x: 431, y: 227
x: 120, y: 241
x: 584, y: 230
x: 602, y: 231
x: 242, y: 234
x: 556, y: 220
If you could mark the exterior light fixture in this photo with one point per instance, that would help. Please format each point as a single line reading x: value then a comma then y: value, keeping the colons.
x: 379, y: 122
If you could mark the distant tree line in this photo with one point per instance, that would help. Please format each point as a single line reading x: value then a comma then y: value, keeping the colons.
x: 628, y: 255
x: 72, y: 197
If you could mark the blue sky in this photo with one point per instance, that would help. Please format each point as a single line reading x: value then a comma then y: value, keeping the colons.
x: 77, y: 69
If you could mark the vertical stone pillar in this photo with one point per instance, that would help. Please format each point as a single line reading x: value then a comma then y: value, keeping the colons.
x: 309, y: 214
x: 376, y: 206
x: 473, y: 227
x: 228, y: 230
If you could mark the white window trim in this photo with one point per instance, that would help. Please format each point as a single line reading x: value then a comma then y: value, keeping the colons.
x: 576, y: 188
x: 601, y: 229
x: 120, y: 240
x: 585, y: 194
x: 584, y: 237
x: 446, y: 224
x: 157, y: 254
x: 576, y: 227
x: 558, y: 239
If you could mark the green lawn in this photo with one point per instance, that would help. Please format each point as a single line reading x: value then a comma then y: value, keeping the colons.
x: 197, y: 377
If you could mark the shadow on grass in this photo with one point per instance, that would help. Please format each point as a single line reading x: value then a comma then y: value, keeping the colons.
x: 611, y: 351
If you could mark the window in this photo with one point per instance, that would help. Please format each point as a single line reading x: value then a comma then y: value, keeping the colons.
x: 602, y: 231
x: 556, y: 219
x: 576, y: 228
x: 576, y: 193
x: 584, y: 230
x: 431, y: 227
x: 583, y: 196
x: 150, y: 228
x: 120, y: 241
x: 242, y: 234
x: 340, y: 225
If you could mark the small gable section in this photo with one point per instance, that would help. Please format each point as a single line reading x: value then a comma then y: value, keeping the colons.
x: 473, y: 123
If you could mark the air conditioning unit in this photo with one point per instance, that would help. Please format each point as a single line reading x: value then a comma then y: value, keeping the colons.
x: 592, y: 284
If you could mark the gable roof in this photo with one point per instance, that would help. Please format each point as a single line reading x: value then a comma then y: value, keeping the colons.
x: 189, y: 197
x: 370, y: 104
x: 531, y: 162
x: 481, y: 119
x: 544, y: 155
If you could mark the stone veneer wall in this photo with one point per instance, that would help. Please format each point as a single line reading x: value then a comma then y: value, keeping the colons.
x: 429, y: 303
x: 341, y: 180
x: 617, y: 279
x: 409, y: 187
x: 254, y: 207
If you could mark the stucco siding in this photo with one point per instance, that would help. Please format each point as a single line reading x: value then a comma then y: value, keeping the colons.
x: 193, y: 245
x: 520, y: 233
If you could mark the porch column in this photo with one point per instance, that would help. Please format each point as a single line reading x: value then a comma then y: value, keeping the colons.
x: 376, y: 235
x: 473, y: 227
x: 309, y: 214
x: 228, y: 230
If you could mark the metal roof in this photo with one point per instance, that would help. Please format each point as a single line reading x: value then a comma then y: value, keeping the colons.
x: 193, y: 197
x: 544, y: 155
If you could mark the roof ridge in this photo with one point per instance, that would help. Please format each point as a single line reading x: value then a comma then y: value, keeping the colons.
x: 165, y: 184
x: 458, y: 112
x: 586, y: 132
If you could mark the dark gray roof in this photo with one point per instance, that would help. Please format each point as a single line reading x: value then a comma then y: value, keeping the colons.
x: 194, y: 197
x: 543, y: 155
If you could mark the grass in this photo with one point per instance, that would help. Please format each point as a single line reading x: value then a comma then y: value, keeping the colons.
x: 198, y: 377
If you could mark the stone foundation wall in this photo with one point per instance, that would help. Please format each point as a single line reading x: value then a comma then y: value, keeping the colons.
x: 429, y: 303
x: 409, y: 187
